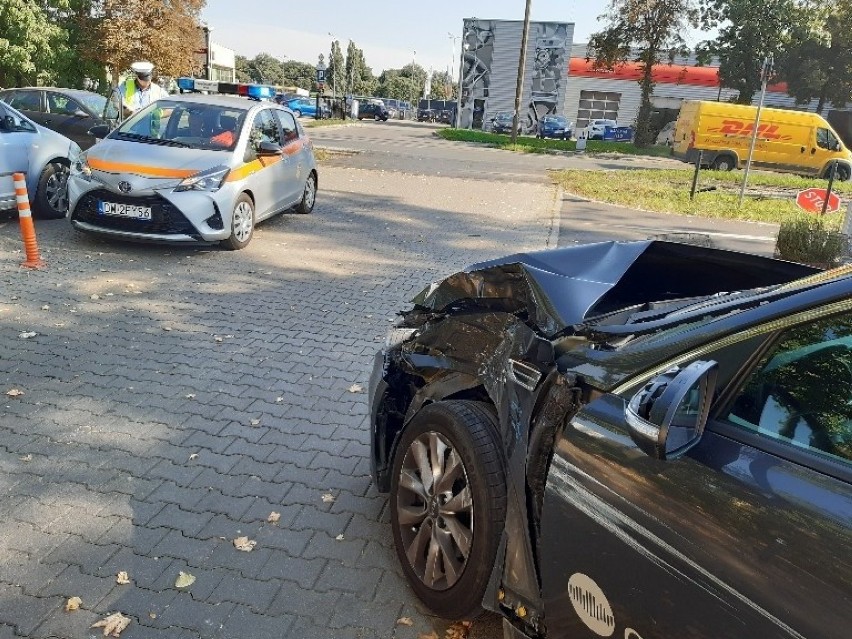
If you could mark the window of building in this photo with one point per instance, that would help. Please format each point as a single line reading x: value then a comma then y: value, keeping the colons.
x: 597, y: 105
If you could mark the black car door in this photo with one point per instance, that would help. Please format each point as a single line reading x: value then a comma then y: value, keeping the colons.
x: 29, y: 102
x: 747, y: 535
x: 68, y: 117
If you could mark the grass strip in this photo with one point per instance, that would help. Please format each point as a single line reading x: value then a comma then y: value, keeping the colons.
x: 770, y: 197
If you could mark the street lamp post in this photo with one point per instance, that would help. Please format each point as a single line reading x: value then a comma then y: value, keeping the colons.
x: 464, y: 48
x: 208, y: 66
x: 453, y: 39
x: 334, y: 74
x: 522, y: 62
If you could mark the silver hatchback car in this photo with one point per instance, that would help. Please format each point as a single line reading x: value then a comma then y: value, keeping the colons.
x: 194, y: 168
x: 42, y: 155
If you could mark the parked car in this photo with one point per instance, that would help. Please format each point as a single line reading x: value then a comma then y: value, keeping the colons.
x: 425, y: 115
x: 445, y: 116
x: 71, y: 112
x: 501, y: 123
x: 666, y: 135
x: 194, y: 168
x: 597, y: 128
x: 374, y: 109
x: 639, y: 439
x: 306, y: 107
x: 42, y: 155
x: 555, y: 126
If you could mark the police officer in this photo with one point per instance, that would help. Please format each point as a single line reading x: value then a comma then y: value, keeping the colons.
x: 138, y: 91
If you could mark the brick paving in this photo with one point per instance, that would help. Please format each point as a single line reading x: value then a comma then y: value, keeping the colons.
x: 174, y: 397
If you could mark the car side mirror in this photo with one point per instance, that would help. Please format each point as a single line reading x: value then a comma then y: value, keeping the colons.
x: 269, y: 148
x: 99, y: 131
x: 79, y: 113
x: 7, y: 123
x: 667, y: 417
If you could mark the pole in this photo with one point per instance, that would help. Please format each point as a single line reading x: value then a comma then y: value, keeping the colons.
x: 695, y: 175
x: 522, y: 62
x: 828, y: 190
x: 767, y: 69
x: 208, y: 68
x: 846, y: 227
x: 461, y: 75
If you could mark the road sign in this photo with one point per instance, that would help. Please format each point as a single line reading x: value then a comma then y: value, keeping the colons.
x: 811, y: 200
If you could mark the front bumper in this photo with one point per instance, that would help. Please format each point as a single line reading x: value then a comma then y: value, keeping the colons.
x: 378, y: 389
x: 191, y: 216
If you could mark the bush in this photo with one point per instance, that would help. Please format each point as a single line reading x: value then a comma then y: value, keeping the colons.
x: 810, y: 241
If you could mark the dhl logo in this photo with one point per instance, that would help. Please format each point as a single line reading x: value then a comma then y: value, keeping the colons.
x: 741, y: 128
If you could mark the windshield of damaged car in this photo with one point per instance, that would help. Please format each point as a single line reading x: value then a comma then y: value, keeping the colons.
x: 504, y: 117
x: 184, y: 124
x: 553, y: 119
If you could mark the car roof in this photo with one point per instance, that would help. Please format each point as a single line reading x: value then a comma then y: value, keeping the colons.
x: 232, y: 101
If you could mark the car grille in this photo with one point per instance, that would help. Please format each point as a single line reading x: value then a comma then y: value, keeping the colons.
x: 166, y: 219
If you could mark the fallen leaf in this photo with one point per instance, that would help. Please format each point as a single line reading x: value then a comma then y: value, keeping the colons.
x: 14, y: 392
x: 122, y: 578
x: 459, y: 630
x: 327, y: 498
x: 26, y: 458
x: 245, y: 544
x: 273, y: 517
x: 356, y: 388
x: 255, y: 422
x: 193, y: 456
x: 95, y: 297
x: 431, y: 635
x: 27, y: 335
x: 404, y: 621
x: 184, y: 580
x: 152, y: 615
x: 73, y: 604
x: 339, y: 537
x: 113, y: 624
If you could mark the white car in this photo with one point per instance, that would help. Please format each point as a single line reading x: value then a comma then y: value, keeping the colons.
x: 597, y: 128
x: 666, y: 135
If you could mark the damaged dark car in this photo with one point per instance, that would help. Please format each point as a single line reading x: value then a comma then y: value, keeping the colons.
x: 626, y: 439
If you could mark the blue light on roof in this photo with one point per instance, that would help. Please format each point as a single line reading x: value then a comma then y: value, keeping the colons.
x: 186, y: 84
x: 260, y: 92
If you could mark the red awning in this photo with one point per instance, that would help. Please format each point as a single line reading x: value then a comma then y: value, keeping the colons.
x: 661, y: 73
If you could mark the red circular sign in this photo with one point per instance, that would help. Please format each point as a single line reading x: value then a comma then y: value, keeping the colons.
x: 811, y: 200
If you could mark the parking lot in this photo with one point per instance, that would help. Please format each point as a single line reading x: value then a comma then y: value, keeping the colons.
x: 167, y: 400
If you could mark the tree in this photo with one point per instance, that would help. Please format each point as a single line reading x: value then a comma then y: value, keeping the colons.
x: 242, y: 66
x: 266, y: 69
x: 359, y: 77
x: 443, y: 86
x: 399, y: 87
x: 817, y: 62
x: 299, y: 74
x: 165, y: 32
x: 29, y: 40
x: 417, y: 74
x: 644, y: 31
x: 751, y: 31
x: 336, y: 72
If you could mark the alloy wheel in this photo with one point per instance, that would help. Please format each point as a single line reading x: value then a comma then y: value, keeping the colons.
x: 56, y: 188
x: 435, y: 511
x: 310, y: 192
x: 242, y: 223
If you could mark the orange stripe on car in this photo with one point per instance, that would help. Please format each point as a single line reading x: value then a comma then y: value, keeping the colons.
x: 249, y: 168
x: 139, y: 169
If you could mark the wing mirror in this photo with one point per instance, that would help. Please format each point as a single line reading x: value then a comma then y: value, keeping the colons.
x: 269, y: 148
x: 99, y: 131
x: 79, y: 113
x: 667, y: 417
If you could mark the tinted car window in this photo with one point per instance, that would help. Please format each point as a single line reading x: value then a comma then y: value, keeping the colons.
x: 801, y: 393
x: 14, y: 123
x: 289, y: 132
x: 25, y: 101
x: 62, y: 105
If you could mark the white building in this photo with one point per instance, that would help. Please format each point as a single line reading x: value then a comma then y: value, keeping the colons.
x: 223, y: 66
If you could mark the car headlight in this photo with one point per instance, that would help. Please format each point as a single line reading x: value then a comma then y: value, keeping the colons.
x: 80, y: 166
x: 209, y: 180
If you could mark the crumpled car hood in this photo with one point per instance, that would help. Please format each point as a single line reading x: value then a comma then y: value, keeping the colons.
x: 564, y: 287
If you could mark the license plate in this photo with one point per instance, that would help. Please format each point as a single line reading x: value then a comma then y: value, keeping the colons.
x: 124, y: 210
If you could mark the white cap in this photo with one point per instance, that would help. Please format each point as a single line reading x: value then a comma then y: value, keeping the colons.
x: 142, y: 68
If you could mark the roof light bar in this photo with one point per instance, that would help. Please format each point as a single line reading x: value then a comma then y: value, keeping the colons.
x: 252, y: 91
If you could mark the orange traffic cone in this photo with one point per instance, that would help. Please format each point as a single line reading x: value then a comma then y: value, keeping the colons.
x: 26, y: 219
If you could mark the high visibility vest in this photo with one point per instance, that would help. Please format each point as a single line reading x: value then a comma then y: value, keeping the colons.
x: 156, y: 114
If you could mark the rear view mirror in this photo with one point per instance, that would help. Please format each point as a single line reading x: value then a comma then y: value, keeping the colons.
x: 667, y: 417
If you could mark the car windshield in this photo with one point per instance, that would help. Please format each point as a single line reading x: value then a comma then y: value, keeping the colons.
x: 184, y: 124
x: 92, y: 101
x: 553, y: 119
x: 504, y: 117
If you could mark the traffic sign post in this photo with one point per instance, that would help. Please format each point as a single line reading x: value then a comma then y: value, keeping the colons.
x: 817, y: 201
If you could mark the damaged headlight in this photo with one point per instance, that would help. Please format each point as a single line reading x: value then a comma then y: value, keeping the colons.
x: 398, y: 336
x: 80, y: 166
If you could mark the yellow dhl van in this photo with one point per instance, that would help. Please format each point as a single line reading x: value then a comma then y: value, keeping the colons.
x: 791, y: 141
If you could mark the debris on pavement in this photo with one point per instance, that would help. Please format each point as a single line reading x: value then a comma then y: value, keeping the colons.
x: 14, y: 392
x: 113, y: 625
x: 244, y: 544
x: 356, y: 388
x: 274, y: 517
x: 184, y: 580
x: 122, y: 578
x: 404, y: 621
x: 327, y: 498
x: 73, y: 604
x: 26, y: 458
x: 27, y: 335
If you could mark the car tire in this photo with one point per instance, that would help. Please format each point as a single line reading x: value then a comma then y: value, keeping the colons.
x: 242, y: 223
x: 309, y: 195
x: 465, y: 432
x: 51, y: 196
x: 723, y: 163
x: 297, y: 113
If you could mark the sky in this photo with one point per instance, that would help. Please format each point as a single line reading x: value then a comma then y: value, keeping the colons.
x: 389, y: 32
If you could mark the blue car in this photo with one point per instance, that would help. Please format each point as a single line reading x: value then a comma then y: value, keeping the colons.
x: 555, y: 126
x: 305, y: 106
